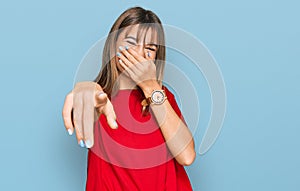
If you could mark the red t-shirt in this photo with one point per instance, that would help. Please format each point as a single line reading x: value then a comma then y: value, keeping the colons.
x: 133, y: 157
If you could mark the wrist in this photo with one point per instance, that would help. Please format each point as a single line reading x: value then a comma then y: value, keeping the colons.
x: 157, y: 97
x: 149, y: 87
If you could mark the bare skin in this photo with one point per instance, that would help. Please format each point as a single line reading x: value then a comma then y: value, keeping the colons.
x: 136, y: 66
x: 88, y: 101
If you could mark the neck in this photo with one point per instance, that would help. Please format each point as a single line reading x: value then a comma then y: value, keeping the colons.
x: 126, y: 83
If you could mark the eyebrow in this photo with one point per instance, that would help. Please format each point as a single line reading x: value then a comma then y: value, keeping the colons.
x: 131, y: 37
x: 152, y: 44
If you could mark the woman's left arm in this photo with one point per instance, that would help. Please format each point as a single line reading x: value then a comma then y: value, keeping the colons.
x: 177, y: 135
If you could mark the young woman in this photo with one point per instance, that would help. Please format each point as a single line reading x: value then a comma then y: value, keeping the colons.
x: 140, y: 140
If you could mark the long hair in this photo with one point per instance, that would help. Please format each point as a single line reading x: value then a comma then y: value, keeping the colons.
x: 146, y: 20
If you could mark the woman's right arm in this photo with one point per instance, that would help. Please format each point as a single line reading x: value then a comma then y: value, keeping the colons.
x: 82, y: 108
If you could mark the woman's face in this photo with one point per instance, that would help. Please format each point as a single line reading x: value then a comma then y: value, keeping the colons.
x: 146, y: 47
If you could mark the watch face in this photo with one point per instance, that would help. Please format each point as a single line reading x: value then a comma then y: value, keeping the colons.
x: 158, y: 97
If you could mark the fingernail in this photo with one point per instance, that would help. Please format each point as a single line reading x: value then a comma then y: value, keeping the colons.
x: 88, y: 144
x: 70, y: 131
x: 118, y: 54
x: 121, y: 48
x: 115, y: 124
x: 81, y: 143
x: 126, y: 47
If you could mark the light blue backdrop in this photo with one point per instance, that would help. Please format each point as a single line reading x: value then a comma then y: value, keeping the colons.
x: 256, y: 44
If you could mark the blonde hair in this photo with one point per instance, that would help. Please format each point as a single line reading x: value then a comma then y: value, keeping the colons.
x: 146, y: 19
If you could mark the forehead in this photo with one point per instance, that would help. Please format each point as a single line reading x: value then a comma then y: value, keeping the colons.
x: 142, y: 33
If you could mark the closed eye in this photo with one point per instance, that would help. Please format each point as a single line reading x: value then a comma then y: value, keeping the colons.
x: 130, y: 42
x: 152, y: 49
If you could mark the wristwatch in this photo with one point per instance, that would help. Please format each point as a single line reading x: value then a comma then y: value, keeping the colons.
x: 157, y: 98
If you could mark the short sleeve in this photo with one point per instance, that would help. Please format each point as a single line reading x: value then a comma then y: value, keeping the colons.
x: 172, y: 100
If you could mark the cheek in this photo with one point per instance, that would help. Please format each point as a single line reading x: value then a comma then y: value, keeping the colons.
x: 153, y: 56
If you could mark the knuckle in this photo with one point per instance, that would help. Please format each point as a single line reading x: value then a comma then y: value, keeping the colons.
x: 63, y: 113
x: 69, y: 95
